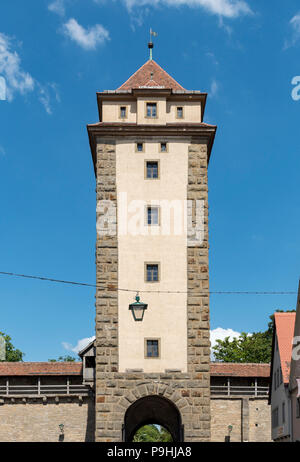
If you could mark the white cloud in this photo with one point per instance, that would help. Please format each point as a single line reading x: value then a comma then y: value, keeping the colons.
x: 295, y: 24
x: 214, y: 88
x: 46, y: 94
x: 226, y: 8
x: 86, y: 38
x: 80, y: 344
x: 58, y: 7
x: 221, y: 334
x: 16, y: 79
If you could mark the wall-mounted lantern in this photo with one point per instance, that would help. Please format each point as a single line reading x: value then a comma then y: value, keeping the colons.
x: 138, y: 309
x: 62, y: 433
x: 227, y: 438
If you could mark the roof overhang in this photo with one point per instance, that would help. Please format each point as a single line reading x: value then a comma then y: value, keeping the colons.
x: 197, y: 132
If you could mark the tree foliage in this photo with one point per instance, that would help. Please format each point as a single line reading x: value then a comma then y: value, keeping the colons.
x: 63, y: 359
x: 12, y: 353
x: 152, y: 433
x: 247, y: 348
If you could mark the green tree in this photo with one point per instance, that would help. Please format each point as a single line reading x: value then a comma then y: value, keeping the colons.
x: 152, y: 433
x: 12, y: 354
x: 63, y: 359
x: 254, y: 348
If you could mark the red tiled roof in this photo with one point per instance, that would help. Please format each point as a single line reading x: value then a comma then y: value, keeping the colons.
x: 59, y: 368
x: 150, y: 74
x: 285, y: 326
x: 72, y: 368
x: 240, y: 370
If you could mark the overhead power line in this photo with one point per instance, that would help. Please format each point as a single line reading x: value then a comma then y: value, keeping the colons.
x: 208, y: 292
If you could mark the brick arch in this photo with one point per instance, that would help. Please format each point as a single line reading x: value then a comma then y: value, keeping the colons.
x: 152, y: 388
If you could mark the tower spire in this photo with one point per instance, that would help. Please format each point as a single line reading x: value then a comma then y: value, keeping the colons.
x: 150, y: 44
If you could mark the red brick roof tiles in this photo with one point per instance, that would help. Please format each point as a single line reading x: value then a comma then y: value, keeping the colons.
x: 285, y: 326
x: 72, y: 368
x: 23, y: 369
x: 240, y: 370
x: 150, y: 74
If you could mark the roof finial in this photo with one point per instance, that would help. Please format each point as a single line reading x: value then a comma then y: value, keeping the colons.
x: 150, y: 44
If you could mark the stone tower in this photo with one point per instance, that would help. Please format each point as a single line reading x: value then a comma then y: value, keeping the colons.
x: 151, y: 151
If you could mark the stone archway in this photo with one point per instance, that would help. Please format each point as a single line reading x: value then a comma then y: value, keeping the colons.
x: 153, y: 409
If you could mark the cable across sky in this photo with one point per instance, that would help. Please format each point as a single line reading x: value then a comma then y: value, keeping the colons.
x: 208, y: 292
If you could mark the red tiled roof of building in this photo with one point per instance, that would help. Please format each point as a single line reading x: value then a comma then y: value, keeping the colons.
x: 75, y: 368
x: 150, y: 74
x: 285, y: 326
x: 240, y: 370
x: 23, y: 369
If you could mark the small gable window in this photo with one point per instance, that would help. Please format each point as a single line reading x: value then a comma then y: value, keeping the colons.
x: 179, y: 113
x: 151, y: 110
x: 123, y: 112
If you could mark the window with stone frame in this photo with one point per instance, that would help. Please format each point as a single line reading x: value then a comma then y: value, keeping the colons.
x: 151, y: 169
x: 179, y: 112
x: 152, y: 272
x: 139, y: 147
x: 163, y: 147
x: 151, y: 110
x: 152, y: 215
x: 123, y: 112
x: 152, y: 348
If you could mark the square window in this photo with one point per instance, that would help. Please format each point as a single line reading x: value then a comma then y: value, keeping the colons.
x: 180, y: 112
x: 152, y: 169
x: 151, y: 110
x: 140, y: 147
x: 152, y: 348
x: 152, y: 215
x: 152, y: 272
x: 163, y: 147
x: 123, y: 112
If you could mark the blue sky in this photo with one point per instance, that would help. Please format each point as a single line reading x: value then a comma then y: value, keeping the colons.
x: 54, y: 56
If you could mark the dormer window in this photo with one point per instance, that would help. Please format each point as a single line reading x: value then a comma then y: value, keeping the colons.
x: 179, y: 113
x: 151, y: 110
x: 123, y: 112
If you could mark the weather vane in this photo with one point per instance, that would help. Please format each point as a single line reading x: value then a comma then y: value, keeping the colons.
x: 150, y: 44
